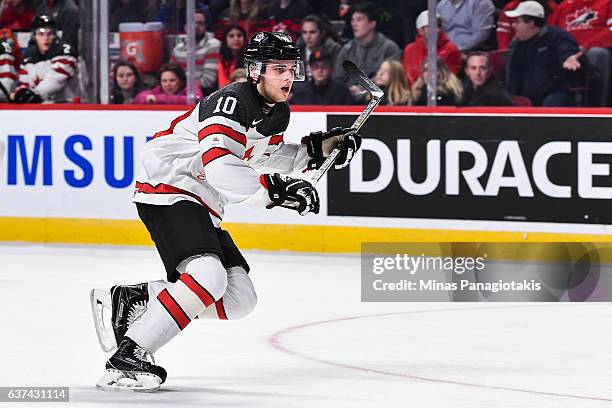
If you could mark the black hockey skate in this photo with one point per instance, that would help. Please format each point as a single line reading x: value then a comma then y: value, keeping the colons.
x: 128, y: 369
x: 115, y: 311
x: 128, y: 303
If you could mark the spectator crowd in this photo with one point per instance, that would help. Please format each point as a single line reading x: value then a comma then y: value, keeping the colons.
x: 489, y: 52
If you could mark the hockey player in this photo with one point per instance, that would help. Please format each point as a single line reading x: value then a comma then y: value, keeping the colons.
x: 8, y: 74
x: 48, y: 68
x: 189, y: 172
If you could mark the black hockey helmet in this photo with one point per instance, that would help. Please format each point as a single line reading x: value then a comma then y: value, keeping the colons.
x: 43, y: 21
x: 266, y: 46
x: 270, y: 46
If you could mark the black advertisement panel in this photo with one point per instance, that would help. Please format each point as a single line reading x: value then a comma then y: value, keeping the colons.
x: 538, y: 169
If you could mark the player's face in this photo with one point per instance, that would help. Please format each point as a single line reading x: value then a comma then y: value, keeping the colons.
x: 235, y: 40
x: 382, y: 75
x: 277, y: 80
x: 125, y: 78
x: 311, y: 34
x: 477, y: 70
x: 170, y: 83
x: 44, y: 38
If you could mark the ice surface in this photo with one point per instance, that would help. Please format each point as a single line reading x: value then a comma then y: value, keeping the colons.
x: 309, y: 343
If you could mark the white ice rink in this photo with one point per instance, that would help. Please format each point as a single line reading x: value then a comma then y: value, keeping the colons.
x: 309, y: 343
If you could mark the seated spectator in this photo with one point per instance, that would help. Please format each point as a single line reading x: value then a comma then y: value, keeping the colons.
x: 239, y: 75
x: 505, y: 24
x: 449, y: 90
x: 416, y: 52
x: 481, y: 87
x: 17, y: 14
x: 232, y: 50
x: 540, y: 59
x: 127, y: 83
x: 321, y: 89
x: 173, y: 14
x: 391, y: 78
x: 48, y: 68
x: 246, y: 14
x: 317, y: 35
x: 172, y: 88
x: 286, y: 15
x: 368, y: 49
x: 207, y: 54
x: 127, y: 11
x: 66, y: 16
x: 468, y: 23
x: 8, y: 74
x: 590, y: 22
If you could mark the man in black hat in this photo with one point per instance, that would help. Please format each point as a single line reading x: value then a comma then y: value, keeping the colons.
x: 321, y: 89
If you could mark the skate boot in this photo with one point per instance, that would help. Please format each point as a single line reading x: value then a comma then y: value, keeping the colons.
x: 130, y: 370
x: 115, y: 311
x: 128, y: 303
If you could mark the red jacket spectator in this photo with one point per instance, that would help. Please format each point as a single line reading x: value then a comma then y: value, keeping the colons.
x: 162, y: 98
x: 416, y: 52
x: 589, y: 21
x: 505, y: 24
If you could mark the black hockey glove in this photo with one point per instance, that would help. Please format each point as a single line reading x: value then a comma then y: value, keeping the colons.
x: 320, y: 144
x: 296, y: 194
x: 26, y: 95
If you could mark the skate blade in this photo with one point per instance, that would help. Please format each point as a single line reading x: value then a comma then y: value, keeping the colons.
x: 115, y: 380
x: 101, y: 312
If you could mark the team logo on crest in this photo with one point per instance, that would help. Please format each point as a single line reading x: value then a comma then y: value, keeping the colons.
x: 581, y: 18
x: 258, y: 37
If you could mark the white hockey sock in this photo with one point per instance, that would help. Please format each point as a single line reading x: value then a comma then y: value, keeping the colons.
x: 238, y: 300
x: 204, y: 282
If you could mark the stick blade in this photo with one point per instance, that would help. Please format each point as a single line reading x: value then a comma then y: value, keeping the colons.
x: 362, y: 79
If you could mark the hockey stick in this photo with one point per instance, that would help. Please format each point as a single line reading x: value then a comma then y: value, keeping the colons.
x: 376, y: 95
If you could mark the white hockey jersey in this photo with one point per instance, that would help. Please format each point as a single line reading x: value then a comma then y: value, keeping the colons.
x: 50, y: 75
x: 214, y: 153
x: 8, y: 74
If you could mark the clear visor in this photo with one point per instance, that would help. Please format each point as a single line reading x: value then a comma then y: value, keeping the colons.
x: 280, y: 70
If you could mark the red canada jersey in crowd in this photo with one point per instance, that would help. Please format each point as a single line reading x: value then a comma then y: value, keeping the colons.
x: 214, y: 153
x: 589, y: 21
x: 50, y: 75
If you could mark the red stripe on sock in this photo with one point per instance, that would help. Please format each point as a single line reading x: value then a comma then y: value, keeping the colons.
x: 198, y: 289
x: 220, y: 309
x: 174, y: 309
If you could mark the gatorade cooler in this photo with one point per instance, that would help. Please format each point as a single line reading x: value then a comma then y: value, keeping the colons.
x: 143, y: 44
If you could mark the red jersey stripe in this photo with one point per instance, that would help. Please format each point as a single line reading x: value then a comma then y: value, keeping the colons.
x: 214, y: 154
x: 173, y: 308
x: 65, y: 61
x: 161, y: 188
x: 198, y: 289
x: 224, y: 130
x: 276, y: 139
x: 173, y: 124
x: 62, y: 71
x: 220, y: 309
x: 8, y: 75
